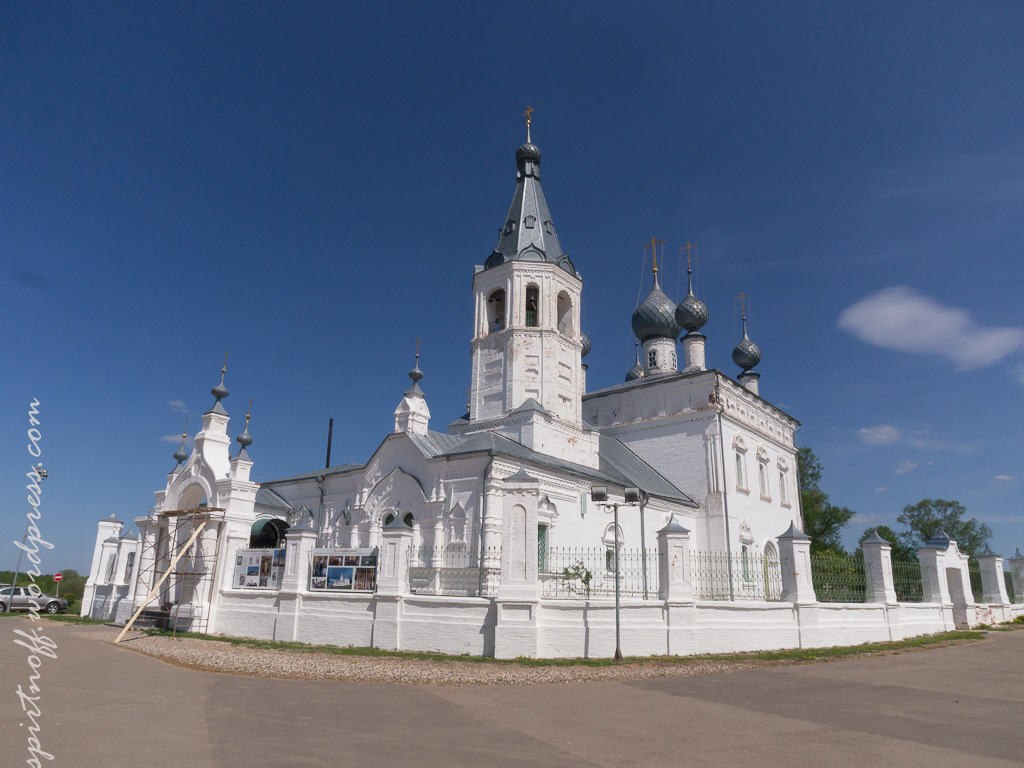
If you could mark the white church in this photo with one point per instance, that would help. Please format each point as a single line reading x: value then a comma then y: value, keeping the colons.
x: 496, y: 535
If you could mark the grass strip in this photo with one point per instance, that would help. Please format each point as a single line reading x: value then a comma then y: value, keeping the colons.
x: 801, y: 654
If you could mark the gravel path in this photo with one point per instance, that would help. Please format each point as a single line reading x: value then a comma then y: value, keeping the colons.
x: 217, y: 656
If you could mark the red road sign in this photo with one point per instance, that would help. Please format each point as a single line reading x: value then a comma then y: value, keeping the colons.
x: 58, y: 577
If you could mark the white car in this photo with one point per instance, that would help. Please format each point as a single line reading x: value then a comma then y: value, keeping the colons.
x: 22, y: 600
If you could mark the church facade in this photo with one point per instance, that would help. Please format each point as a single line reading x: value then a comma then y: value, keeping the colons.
x: 495, y: 536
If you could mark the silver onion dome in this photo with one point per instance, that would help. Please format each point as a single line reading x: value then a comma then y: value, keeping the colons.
x: 746, y: 354
x: 528, y: 151
x: 692, y: 313
x: 585, y: 341
x: 637, y: 371
x: 181, y: 454
x: 656, y: 316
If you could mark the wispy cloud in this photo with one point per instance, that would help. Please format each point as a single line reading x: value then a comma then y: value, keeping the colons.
x: 178, y: 405
x: 173, y: 439
x: 881, y: 489
x: 905, y: 466
x: 902, y: 320
x: 868, y: 519
x: 886, y: 434
x: 979, y: 179
x: 1005, y: 478
x: 883, y: 434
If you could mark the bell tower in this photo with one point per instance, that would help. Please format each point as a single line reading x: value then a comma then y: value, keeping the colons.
x: 527, y: 342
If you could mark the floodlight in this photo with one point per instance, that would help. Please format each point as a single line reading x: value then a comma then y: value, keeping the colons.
x: 599, y: 493
x: 631, y: 495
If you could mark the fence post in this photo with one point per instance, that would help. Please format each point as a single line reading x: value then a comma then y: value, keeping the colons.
x: 795, y: 559
x: 934, y: 583
x: 299, y: 543
x: 878, y: 562
x: 392, y: 584
x: 993, y: 585
x: 675, y: 584
x: 1017, y: 576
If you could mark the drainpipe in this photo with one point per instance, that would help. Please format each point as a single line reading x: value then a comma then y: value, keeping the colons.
x: 320, y: 511
x: 725, y: 493
x: 483, y: 516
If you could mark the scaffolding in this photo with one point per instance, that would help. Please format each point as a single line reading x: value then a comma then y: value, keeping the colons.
x: 178, y: 566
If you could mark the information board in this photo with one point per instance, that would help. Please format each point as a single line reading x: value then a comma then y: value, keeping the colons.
x: 344, y: 569
x: 258, y: 569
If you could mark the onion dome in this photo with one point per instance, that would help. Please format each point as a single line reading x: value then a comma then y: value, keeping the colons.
x: 181, y: 454
x: 692, y: 313
x: 637, y: 371
x: 528, y: 152
x: 656, y: 315
x: 585, y: 340
x: 746, y: 354
x: 220, y: 391
x: 245, y: 439
x: 416, y: 375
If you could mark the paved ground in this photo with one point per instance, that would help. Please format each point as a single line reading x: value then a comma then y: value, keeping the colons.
x: 111, y: 707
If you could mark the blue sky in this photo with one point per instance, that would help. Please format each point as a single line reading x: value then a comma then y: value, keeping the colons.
x: 310, y: 185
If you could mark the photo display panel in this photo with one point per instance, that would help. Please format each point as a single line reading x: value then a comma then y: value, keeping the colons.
x: 258, y: 569
x: 344, y: 569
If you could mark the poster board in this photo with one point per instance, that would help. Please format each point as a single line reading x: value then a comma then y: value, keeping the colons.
x: 258, y: 569
x: 340, y: 569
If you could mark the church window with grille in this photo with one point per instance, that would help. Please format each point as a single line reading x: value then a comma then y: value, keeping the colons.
x: 532, y: 306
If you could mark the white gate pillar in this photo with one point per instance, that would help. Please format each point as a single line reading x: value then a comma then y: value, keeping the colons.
x: 795, y: 559
x: 878, y: 562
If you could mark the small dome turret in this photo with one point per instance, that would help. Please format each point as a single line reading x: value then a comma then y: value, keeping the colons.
x: 181, y: 454
x: 245, y: 439
x: 637, y: 371
x: 746, y: 354
x: 585, y: 341
x: 692, y: 313
x: 528, y: 151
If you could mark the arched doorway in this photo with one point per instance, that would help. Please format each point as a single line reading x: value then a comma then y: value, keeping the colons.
x: 268, y: 533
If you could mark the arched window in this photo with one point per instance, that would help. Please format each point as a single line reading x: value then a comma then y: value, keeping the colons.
x: 532, y: 306
x: 565, y: 314
x: 496, y: 311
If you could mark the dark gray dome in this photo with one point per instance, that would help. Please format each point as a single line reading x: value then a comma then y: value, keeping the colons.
x: 180, y: 454
x: 636, y: 372
x: 692, y: 313
x: 656, y: 316
x: 585, y: 340
x: 528, y: 151
x: 244, y: 439
x: 746, y: 354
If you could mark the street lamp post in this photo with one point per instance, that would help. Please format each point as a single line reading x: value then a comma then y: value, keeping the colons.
x: 630, y: 495
x: 43, y: 474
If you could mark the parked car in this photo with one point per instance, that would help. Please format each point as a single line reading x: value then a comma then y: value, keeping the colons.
x: 22, y: 600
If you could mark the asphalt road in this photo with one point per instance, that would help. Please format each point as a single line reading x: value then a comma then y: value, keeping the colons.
x: 111, y: 707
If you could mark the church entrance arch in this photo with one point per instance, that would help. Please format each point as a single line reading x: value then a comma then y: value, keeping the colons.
x: 268, y: 533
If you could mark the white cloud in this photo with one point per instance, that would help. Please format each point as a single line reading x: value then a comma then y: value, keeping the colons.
x: 883, y: 434
x: 905, y: 466
x: 902, y: 320
x: 178, y: 405
x: 175, y: 439
x: 1006, y: 478
x: 869, y: 519
x: 881, y: 489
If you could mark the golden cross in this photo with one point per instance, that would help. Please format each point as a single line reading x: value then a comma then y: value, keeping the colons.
x: 741, y: 297
x: 184, y: 432
x: 654, y: 248
x: 526, y: 114
x: 225, y: 368
x: 417, y: 347
x: 249, y: 412
x: 687, y: 248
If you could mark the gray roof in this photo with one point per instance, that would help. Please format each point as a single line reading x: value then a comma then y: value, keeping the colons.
x: 618, y: 464
x: 339, y: 469
x: 531, y: 404
x: 528, y: 233
x: 267, y: 498
x: 112, y: 519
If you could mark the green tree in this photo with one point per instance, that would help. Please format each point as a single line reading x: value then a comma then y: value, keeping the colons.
x: 900, y: 550
x: 925, y: 518
x: 823, y: 521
